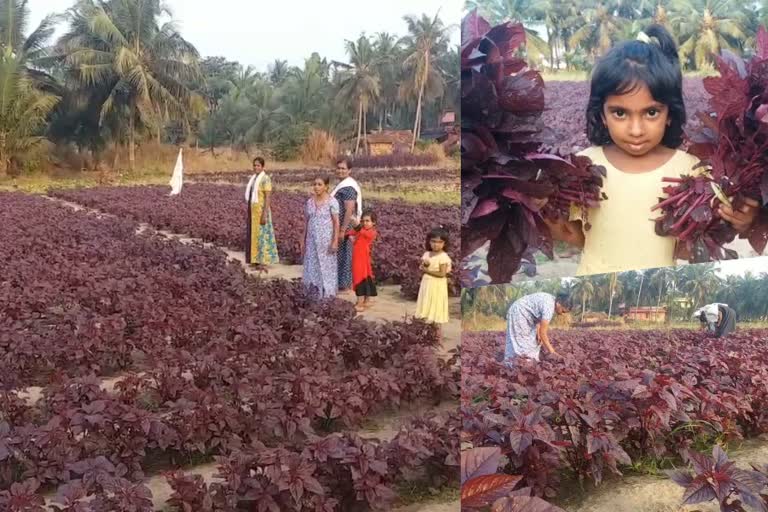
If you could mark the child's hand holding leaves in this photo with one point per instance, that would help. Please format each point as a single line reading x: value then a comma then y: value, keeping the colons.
x: 741, y: 218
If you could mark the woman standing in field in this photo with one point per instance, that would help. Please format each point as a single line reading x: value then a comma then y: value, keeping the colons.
x: 320, y: 240
x: 350, y: 199
x: 635, y: 118
x: 260, y: 245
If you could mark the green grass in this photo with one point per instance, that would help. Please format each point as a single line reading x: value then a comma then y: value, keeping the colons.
x: 480, y: 322
x: 39, y: 183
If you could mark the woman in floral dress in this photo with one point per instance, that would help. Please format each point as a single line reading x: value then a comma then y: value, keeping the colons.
x: 320, y: 241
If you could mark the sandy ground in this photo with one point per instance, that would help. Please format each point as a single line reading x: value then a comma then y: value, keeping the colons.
x: 658, y: 494
x: 389, y: 306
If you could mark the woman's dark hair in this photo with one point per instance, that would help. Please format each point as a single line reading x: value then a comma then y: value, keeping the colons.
x: 258, y: 159
x: 346, y: 161
x: 564, y: 300
x: 656, y: 64
x: 324, y: 179
x: 438, y: 232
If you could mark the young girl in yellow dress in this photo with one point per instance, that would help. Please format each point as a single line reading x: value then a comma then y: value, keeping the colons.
x: 432, y: 303
x: 635, y: 118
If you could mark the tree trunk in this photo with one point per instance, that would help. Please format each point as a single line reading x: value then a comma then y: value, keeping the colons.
x: 658, y: 302
x: 3, y: 156
x: 132, y: 140
x: 115, y: 160
x: 359, y: 124
x: 610, y: 299
x: 583, y: 305
x: 422, y: 86
x: 365, y: 131
x: 551, y: 50
x: 640, y: 291
x: 417, y: 122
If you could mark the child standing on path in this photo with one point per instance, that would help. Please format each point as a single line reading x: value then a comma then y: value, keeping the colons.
x: 432, y: 302
x: 363, y: 282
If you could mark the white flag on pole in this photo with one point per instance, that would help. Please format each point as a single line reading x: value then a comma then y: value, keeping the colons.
x: 178, y: 175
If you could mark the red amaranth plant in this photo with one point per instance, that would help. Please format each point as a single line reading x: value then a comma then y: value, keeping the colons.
x: 732, y: 143
x: 509, y: 160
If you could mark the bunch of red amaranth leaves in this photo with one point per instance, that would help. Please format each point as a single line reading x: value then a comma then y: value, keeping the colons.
x: 508, y: 159
x: 732, y: 144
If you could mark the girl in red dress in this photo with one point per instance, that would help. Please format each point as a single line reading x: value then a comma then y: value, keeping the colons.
x: 362, y: 269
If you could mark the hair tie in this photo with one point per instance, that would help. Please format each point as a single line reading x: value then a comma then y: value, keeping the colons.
x: 645, y: 38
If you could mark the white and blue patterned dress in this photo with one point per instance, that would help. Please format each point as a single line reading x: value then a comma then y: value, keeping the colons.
x: 522, y: 318
x: 320, y: 265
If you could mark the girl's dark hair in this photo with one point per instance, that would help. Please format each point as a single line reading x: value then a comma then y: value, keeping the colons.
x: 324, y: 179
x: 438, y: 232
x: 656, y: 64
x: 258, y: 159
x: 371, y: 214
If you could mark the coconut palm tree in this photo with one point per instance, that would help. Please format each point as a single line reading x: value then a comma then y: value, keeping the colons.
x: 119, y: 46
x: 278, y: 72
x: 26, y: 92
x: 426, y: 39
x: 615, y: 288
x: 600, y: 27
x: 704, y: 27
x: 24, y: 111
x: 662, y: 280
x: 360, y: 83
x: 700, y: 281
x: 387, y: 51
x: 305, y: 92
x: 584, y: 290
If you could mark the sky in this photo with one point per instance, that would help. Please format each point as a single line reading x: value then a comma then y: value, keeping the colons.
x: 256, y: 32
x: 739, y: 267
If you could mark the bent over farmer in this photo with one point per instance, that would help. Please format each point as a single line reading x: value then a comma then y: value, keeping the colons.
x: 719, y: 319
x: 528, y: 324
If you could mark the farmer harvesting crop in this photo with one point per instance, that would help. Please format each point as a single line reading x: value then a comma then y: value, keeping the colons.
x: 635, y: 117
x: 528, y: 324
x: 260, y: 245
x: 720, y: 319
x: 350, y: 199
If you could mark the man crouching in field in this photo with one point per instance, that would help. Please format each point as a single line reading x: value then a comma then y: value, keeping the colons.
x: 718, y: 319
x: 528, y: 324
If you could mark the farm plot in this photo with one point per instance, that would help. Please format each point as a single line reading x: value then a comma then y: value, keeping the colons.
x: 617, y: 398
x: 216, y: 214
x: 212, y: 364
x: 363, y: 176
x: 430, y: 186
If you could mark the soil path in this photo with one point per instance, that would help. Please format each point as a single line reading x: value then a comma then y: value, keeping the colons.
x: 658, y: 494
